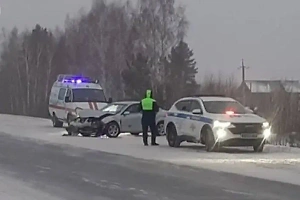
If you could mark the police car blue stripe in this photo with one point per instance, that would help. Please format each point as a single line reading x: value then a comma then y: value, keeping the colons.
x: 192, y: 117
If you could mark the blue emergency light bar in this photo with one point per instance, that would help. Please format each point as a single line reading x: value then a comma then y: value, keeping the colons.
x: 66, y: 78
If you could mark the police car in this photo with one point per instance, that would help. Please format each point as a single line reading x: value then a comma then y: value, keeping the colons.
x: 72, y: 93
x: 215, y: 121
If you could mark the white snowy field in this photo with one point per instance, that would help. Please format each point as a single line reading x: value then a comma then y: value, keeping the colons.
x: 275, y: 163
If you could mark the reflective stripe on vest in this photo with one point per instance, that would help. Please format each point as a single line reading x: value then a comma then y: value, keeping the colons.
x: 147, y: 104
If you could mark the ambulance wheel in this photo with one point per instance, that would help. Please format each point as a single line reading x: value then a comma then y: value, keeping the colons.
x: 69, y: 118
x: 112, y: 130
x: 55, y: 122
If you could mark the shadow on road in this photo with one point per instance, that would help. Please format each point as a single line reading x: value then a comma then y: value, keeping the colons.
x: 201, y: 148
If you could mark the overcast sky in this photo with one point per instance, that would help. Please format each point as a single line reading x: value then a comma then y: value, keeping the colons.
x: 264, y: 32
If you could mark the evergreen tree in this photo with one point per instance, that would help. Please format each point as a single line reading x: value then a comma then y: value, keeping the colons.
x: 181, y: 68
x: 137, y: 77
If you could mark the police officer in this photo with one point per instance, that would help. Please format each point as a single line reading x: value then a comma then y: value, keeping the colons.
x: 149, y: 109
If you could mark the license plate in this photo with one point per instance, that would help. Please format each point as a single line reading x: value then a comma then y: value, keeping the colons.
x: 249, y: 135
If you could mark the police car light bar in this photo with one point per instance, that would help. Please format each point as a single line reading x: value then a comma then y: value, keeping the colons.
x: 67, y: 78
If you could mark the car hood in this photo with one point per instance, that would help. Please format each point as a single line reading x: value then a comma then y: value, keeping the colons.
x: 89, y: 105
x: 92, y: 113
x: 238, y: 118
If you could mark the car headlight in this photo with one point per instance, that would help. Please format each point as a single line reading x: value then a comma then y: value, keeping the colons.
x: 218, y: 124
x: 267, y: 132
x: 221, y: 133
x: 266, y: 125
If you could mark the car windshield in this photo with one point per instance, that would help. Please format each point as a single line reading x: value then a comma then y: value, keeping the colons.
x: 88, y: 95
x: 114, y: 108
x: 221, y: 107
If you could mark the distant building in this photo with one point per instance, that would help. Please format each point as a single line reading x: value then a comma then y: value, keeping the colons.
x: 275, y: 99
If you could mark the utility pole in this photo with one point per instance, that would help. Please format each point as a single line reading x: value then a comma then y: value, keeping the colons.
x: 243, y: 67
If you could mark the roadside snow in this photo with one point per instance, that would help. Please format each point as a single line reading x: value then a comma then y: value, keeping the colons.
x: 278, y: 163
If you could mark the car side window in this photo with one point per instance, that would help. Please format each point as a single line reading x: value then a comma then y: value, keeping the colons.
x: 195, y: 105
x: 61, y: 94
x: 134, y: 108
x: 184, y: 105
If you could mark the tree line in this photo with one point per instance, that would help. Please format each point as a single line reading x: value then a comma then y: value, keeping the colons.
x: 127, y: 47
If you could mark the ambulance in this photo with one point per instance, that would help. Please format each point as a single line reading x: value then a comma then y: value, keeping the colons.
x: 72, y: 93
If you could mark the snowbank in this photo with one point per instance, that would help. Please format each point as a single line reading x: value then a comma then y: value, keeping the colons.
x: 278, y: 163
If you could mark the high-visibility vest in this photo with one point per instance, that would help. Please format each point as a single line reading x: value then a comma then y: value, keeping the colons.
x: 147, y: 104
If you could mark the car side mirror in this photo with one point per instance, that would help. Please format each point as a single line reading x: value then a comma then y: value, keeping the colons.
x: 110, y: 100
x: 67, y: 99
x: 249, y: 110
x: 197, y: 112
x: 255, y: 109
x: 126, y: 113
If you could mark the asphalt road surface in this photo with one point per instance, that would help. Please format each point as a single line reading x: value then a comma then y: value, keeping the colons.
x: 34, y: 170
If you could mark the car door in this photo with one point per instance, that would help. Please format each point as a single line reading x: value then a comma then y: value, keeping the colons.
x: 131, y: 119
x: 183, y: 114
x: 61, y: 105
x: 194, y: 123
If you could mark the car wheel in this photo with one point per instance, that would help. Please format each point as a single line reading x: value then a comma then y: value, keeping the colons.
x: 112, y: 130
x: 160, y: 129
x: 259, y: 147
x: 210, y: 143
x: 55, y: 122
x: 135, y: 134
x: 172, y: 137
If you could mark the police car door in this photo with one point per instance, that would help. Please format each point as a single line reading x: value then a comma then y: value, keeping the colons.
x: 194, y: 124
x: 183, y: 115
x: 131, y: 119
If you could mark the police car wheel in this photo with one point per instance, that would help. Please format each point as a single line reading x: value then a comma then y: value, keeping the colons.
x: 172, y: 137
x: 210, y: 144
x: 112, y: 130
x: 259, y: 147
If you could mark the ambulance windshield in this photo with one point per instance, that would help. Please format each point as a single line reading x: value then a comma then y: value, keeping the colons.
x: 88, y: 95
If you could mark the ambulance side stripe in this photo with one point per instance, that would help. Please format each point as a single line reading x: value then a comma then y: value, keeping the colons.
x: 61, y: 108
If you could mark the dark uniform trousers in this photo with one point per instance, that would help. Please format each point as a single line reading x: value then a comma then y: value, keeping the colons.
x: 149, y: 121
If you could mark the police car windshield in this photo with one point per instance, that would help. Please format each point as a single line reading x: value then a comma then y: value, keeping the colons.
x: 88, y: 95
x: 221, y: 107
x: 114, y: 108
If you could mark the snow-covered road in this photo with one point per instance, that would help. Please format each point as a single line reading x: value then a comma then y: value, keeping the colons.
x: 275, y: 163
